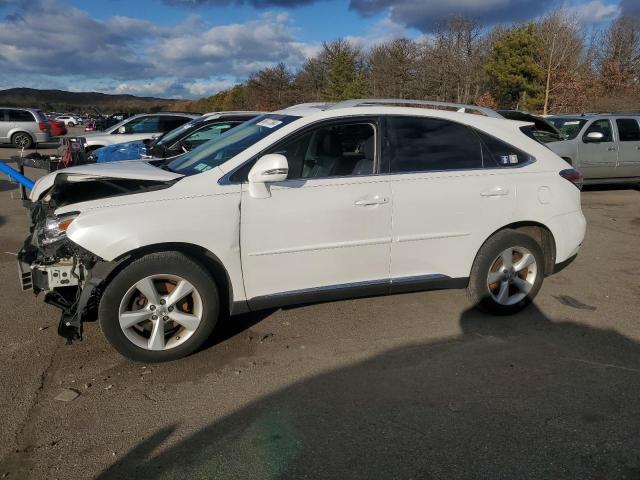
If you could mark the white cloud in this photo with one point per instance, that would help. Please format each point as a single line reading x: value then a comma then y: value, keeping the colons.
x: 188, y: 58
x: 382, y: 31
x: 595, y: 11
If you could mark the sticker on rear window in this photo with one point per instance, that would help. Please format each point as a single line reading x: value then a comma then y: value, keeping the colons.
x: 269, y: 123
x: 572, y: 123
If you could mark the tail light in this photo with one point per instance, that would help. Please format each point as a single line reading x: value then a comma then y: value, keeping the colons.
x: 574, y: 176
x: 43, y: 126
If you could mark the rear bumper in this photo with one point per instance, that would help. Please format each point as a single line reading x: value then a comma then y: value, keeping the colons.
x: 569, y: 231
x: 42, y: 137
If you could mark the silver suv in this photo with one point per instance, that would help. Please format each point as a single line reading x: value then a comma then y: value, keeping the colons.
x: 23, y: 127
x: 605, y: 148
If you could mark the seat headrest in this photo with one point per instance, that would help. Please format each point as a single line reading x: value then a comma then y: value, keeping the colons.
x: 330, y: 145
x: 368, y: 148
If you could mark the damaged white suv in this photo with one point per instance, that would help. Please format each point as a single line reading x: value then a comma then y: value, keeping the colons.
x: 311, y: 203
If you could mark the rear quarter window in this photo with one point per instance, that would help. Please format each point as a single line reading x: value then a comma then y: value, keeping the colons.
x: 496, y: 153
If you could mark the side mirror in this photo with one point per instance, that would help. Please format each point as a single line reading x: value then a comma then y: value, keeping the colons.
x: 122, y: 129
x: 594, y: 137
x: 268, y: 169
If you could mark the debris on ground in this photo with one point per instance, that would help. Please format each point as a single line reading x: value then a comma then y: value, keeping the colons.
x: 573, y: 303
x: 67, y: 395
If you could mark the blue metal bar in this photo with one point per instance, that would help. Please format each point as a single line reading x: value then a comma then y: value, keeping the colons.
x: 16, y: 175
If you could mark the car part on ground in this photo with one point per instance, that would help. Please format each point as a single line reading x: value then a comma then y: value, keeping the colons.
x: 296, y: 206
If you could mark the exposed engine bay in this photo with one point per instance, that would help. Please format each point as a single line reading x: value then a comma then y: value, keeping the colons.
x: 69, y: 276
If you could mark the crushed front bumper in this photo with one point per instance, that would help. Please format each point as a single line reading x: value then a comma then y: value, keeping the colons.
x: 71, y: 283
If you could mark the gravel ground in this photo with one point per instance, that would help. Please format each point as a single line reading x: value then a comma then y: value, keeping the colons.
x: 407, y: 386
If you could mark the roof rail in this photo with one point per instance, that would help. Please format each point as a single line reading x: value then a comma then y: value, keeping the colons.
x: 459, y: 107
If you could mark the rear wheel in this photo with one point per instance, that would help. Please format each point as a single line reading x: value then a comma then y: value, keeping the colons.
x: 161, y: 307
x: 22, y: 140
x: 507, y: 273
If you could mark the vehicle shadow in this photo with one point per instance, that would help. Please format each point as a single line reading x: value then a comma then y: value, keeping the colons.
x: 512, y: 397
x: 6, y: 185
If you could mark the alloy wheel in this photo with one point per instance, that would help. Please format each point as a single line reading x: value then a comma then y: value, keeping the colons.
x: 160, y: 312
x: 512, y: 275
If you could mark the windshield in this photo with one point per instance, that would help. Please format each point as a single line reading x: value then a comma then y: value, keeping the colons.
x: 216, y: 152
x: 569, y: 127
x: 176, y: 132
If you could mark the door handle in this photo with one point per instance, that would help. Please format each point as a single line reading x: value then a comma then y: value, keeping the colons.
x: 495, y: 192
x: 612, y: 149
x: 366, y: 202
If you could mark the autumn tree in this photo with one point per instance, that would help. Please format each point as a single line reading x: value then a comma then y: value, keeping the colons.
x: 452, y: 62
x: 392, y: 69
x: 559, y: 48
x: 270, y: 88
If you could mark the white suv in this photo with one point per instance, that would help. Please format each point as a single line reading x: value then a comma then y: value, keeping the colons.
x: 139, y: 127
x: 307, y: 204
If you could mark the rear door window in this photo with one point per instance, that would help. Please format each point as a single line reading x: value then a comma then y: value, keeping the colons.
x: 20, y: 116
x: 628, y: 130
x: 421, y: 144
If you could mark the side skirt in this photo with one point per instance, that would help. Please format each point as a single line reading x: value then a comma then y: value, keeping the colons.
x: 357, y: 290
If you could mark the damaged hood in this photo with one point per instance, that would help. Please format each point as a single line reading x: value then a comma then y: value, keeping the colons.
x: 132, y: 170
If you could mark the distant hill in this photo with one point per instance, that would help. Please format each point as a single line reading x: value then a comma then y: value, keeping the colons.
x: 62, y: 101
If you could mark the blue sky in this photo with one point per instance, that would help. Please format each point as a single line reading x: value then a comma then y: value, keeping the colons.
x: 193, y: 48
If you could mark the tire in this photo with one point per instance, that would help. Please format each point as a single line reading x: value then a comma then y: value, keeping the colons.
x: 71, y: 124
x: 513, y: 289
x: 144, y: 330
x: 22, y: 140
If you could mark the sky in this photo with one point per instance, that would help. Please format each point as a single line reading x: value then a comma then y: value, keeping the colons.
x: 195, y: 48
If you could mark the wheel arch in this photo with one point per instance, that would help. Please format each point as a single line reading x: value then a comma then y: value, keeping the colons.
x: 16, y: 132
x: 540, y: 233
x: 203, y: 256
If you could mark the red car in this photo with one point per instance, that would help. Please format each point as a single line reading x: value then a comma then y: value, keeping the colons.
x: 58, y: 128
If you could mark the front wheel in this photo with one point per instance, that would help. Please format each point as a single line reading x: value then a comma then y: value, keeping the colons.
x: 507, y: 273
x: 71, y: 124
x: 161, y: 307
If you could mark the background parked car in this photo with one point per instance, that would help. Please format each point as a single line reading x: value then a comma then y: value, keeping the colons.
x: 605, y: 148
x: 69, y: 120
x: 140, y: 127
x: 176, y: 142
x: 24, y: 127
x: 58, y: 128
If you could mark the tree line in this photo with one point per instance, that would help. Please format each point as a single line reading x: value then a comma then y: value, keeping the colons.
x: 548, y: 66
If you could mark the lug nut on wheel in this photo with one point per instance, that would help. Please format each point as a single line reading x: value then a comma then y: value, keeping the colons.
x: 154, y: 317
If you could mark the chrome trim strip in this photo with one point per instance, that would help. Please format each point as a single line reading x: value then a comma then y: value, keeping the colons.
x: 324, y: 246
x: 429, y: 236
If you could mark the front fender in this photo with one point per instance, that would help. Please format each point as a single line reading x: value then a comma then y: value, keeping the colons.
x: 211, y: 222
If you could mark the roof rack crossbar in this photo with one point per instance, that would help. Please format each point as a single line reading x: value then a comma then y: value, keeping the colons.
x: 425, y: 103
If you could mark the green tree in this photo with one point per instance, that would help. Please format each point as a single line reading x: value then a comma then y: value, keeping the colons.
x: 345, y: 78
x: 516, y: 80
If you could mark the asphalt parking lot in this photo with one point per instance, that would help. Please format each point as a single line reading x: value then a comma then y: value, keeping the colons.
x: 409, y: 386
